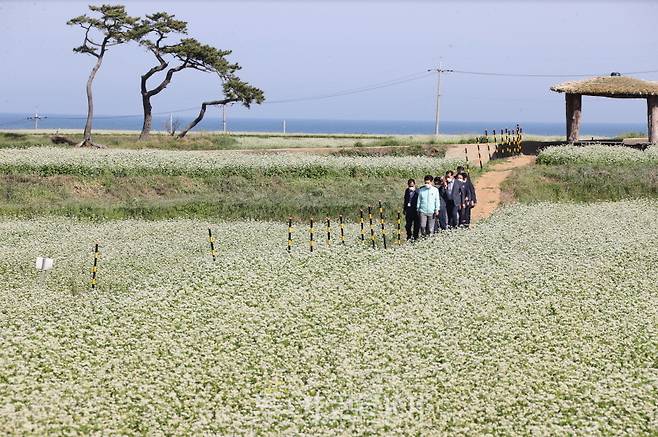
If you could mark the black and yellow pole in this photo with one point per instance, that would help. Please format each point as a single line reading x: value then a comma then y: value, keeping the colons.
x: 479, y: 156
x: 342, y: 229
x: 289, y: 234
x: 489, y: 151
x: 381, y: 221
x: 94, y: 268
x: 211, y: 240
x: 363, y: 234
x: 494, y: 136
x: 328, y: 232
x: 310, y: 231
x: 372, y: 228
x: 399, y: 229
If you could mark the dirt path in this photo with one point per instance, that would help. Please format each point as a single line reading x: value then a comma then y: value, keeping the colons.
x: 470, y: 152
x: 487, y: 186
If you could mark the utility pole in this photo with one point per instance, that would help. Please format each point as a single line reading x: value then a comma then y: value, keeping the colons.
x: 438, y: 96
x: 36, y: 117
x: 224, y: 118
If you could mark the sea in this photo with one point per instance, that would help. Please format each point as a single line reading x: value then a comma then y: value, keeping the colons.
x: 315, y: 126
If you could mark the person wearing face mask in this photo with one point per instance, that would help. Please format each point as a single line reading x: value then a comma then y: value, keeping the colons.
x: 470, y: 199
x: 454, y: 199
x: 412, y: 221
x: 428, y: 205
x: 439, y: 223
x: 442, y: 219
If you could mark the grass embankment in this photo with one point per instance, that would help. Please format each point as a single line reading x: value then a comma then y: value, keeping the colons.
x: 586, y: 174
x: 581, y: 183
x: 159, y: 196
x: 218, y: 185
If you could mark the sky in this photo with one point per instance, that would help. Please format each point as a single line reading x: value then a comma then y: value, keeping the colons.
x: 295, y: 49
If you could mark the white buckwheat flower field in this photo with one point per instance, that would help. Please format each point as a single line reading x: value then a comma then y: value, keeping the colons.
x: 598, y: 155
x: 53, y: 160
x: 543, y: 321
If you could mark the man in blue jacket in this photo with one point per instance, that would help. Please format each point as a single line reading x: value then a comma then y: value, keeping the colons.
x: 428, y: 205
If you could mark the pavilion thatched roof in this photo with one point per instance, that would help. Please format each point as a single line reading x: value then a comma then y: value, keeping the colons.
x: 609, y: 86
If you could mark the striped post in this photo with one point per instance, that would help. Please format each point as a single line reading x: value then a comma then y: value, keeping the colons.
x: 342, y: 229
x: 211, y: 240
x: 328, y: 232
x: 363, y: 234
x: 381, y: 220
x: 372, y: 228
x: 94, y: 268
x: 289, y: 234
x: 399, y: 229
x: 479, y: 156
x: 311, y: 241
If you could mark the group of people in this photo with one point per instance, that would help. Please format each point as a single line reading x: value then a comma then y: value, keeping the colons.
x: 442, y: 202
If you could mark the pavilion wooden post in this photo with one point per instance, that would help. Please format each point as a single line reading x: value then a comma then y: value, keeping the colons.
x: 652, y: 116
x: 574, y: 106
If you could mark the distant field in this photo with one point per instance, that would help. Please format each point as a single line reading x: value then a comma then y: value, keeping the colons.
x: 245, y: 140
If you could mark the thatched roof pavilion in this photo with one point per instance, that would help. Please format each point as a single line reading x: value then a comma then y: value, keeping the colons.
x: 615, y: 86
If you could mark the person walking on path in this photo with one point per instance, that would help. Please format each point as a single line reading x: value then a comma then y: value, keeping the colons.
x: 442, y: 220
x: 412, y: 220
x: 428, y: 205
x: 454, y: 195
x: 470, y: 199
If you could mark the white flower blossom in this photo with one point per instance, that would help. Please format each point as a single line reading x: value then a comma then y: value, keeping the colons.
x: 541, y: 320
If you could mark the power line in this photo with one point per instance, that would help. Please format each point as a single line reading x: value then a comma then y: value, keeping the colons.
x: 389, y: 83
x: 379, y: 85
x: 498, y: 74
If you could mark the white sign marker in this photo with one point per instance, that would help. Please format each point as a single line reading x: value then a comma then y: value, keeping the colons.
x: 44, y: 263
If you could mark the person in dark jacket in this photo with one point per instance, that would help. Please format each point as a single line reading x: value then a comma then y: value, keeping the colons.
x: 412, y: 221
x: 442, y: 222
x: 454, y: 196
x: 470, y: 199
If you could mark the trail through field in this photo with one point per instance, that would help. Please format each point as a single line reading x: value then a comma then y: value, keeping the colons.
x: 487, y: 186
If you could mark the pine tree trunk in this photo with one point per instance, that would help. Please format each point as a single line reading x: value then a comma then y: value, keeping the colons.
x: 196, y: 121
x: 90, y: 103
x: 148, y: 117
